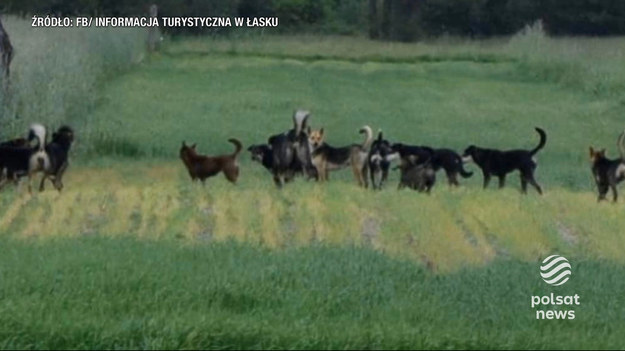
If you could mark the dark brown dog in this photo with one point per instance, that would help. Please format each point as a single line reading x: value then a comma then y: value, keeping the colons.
x: 202, y: 167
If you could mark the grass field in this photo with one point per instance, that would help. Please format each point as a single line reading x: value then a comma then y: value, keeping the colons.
x: 132, y: 254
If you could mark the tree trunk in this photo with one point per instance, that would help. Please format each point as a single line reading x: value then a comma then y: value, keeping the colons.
x: 6, y: 52
x: 374, y: 25
x: 386, y: 22
x: 154, y: 35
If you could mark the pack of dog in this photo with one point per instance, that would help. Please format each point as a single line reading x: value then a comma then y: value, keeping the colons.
x: 19, y: 159
x: 606, y: 172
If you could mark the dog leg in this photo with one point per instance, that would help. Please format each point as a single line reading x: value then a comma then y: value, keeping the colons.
x: 372, y: 176
x: 603, y: 191
x: 356, y: 172
x: 231, y: 174
x: 452, y: 177
x: 58, y: 178
x: 363, y: 175
x: 532, y: 181
x: 41, y: 184
x: 276, y: 180
x: 502, y: 181
x: 614, y: 192
x: 30, y: 185
x: 384, y: 177
x: 486, y: 179
x: 523, y: 185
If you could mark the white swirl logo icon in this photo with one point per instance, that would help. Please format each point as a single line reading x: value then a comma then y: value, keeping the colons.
x: 555, y: 270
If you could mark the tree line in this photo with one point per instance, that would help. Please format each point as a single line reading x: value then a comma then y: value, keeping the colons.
x: 403, y: 20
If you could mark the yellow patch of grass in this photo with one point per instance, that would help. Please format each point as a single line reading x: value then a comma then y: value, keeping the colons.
x: 447, y: 230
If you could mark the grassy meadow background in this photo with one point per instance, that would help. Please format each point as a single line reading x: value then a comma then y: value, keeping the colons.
x: 132, y: 254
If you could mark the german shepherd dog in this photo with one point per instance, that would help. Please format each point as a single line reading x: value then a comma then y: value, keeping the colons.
x: 291, y: 153
x: 446, y: 159
x: 327, y: 158
x: 202, y: 167
x: 500, y: 163
x: 417, y: 176
x: 379, y: 161
x: 608, y: 173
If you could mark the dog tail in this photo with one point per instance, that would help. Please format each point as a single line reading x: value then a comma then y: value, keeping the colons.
x: 621, y: 145
x: 541, y: 144
x: 237, y: 145
x: 366, y: 145
x: 464, y: 173
x: 38, y: 131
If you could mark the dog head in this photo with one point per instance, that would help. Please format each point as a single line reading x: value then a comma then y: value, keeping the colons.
x: 64, y: 135
x: 315, y: 138
x: 471, y: 154
x: 596, y: 155
x: 398, y: 147
x: 186, y: 152
x: 258, y: 152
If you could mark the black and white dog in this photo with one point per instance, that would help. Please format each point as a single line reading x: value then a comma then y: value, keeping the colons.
x: 20, y: 161
x: 379, y: 160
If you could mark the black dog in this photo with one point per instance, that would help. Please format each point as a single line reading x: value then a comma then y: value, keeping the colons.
x: 500, y: 163
x: 446, y: 159
x: 58, y: 154
x: 608, y: 173
x: 291, y: 152
x: 379, y: 160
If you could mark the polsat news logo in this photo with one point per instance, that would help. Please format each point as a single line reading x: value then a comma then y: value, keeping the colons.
x: 555, y: 271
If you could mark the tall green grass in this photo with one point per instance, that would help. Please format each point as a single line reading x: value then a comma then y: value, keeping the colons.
x: 56, y: 72
x: 103, y: 293
x: 594, y: 65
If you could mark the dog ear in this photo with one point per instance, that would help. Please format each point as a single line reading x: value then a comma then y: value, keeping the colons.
x: 380, y: 136
x: 591, y: 151
x: 193, y: 146
x: 602, y: 152
x: 308, y: 130
x: 321, y: 131
x: 184, y: 143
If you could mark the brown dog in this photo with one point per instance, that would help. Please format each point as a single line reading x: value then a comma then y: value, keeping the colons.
x: 202, y: 167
